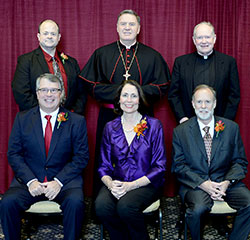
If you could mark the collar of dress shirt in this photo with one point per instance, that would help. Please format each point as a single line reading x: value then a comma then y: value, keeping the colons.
x: 52, y: 120
x: 210, y: 125
x: 48, y: 57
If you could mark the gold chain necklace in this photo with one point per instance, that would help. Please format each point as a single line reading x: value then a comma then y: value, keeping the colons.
x: 127, y: 75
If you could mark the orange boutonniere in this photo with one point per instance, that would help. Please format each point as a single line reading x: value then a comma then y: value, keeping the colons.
x: 62, y: 117
x: 219, y: 127
x: 64, y: 57
x: 141, y: 127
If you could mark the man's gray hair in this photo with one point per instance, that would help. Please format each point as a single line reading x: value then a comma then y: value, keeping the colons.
x: 129, y: 11
x: 205, y: 23
x: 54, y: 79
x: 204, y: 86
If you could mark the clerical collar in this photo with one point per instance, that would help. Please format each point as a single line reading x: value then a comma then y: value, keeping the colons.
x: 127, y: 47
x: 205, y: 56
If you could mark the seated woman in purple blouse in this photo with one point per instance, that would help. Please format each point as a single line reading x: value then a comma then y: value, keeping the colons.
x: 132, y: 166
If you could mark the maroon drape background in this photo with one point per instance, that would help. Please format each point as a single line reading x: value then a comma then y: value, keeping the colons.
x: 167, y: 26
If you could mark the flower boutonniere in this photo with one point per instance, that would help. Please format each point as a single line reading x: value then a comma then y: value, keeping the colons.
x: 141, y: 127
x: 64, y: 57
x: 219, y: 127
x: 62, y: 117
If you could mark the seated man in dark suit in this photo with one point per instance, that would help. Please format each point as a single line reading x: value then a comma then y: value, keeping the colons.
x: 209, y: 161
x: 47, y: 59
x: 48, y: 150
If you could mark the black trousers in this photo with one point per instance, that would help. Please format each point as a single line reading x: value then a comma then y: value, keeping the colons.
x: 16, y: 200
x: 124, y: 218
x: 198, y: 203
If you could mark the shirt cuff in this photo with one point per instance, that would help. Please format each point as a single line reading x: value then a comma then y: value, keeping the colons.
x: 58, y: 182
x: 31, y: 181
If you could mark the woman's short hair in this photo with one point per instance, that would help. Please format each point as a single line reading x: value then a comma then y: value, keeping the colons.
x: 143, y: 105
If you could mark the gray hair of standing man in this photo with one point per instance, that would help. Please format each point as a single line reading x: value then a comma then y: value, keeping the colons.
x: 205, y: 23
x: 129, y: 11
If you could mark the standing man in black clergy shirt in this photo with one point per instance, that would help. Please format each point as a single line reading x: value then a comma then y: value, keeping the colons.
x: 46, y: 59
x: 206, y: 66
x: 126, y: 58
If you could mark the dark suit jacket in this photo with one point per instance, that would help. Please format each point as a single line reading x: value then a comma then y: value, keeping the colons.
x: 228, y: 159
x: 30, y: 66
x: 226, y: 85
x: 68, y: 153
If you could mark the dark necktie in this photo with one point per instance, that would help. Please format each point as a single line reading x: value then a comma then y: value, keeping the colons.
x: 208, y: 143
x: 58, y: 73
x: 48, y: 134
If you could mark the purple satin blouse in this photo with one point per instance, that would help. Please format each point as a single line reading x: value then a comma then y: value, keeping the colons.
x: 145, y: 156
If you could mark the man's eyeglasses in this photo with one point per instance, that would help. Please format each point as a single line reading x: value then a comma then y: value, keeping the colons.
x: 47, y: 90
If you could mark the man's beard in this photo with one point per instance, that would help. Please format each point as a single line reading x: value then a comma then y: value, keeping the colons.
x: 205, y: 114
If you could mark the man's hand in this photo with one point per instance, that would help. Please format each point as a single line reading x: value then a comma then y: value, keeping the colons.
x: 184, y: 119
x: 51, y: 189
x: 214, y: 189
x: 223, y: 186
x: 36, y: 188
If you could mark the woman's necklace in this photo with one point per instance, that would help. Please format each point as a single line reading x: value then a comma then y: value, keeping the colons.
x: 127, y: 75
x: 130, y: 129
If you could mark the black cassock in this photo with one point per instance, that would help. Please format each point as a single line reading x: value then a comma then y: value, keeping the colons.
x: 105, y: 71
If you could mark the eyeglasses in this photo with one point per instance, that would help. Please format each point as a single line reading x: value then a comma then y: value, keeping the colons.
x: 47, y: 90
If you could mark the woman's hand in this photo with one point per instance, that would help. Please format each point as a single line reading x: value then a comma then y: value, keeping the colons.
x: 119, y: 188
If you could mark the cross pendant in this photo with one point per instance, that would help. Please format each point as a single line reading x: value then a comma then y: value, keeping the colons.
x: 126, y: 75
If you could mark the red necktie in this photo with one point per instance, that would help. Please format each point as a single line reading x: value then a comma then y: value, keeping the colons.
x: 48, y: 134
x: 208, y: 143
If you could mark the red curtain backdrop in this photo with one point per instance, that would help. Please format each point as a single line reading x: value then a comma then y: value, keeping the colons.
x: 166, y: 25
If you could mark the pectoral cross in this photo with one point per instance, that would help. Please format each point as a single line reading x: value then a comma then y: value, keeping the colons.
x: 126, y: 75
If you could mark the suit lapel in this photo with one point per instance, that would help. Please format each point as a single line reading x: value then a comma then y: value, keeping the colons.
x: 216, y: 142
x: 41, y: 61
x: 57, y: 132
x: 68, y: 70
x: 219, y: 69
x: 189, y: 74
x: 197, y: 138
x: 37, y: 126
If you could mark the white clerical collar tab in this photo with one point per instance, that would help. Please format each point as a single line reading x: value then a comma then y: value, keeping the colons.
x: 205, y: 56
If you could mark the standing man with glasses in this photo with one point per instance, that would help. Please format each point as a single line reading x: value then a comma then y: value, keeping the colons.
x: 205, y: 66
x: 47, y: 59
x: 48, y: 150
